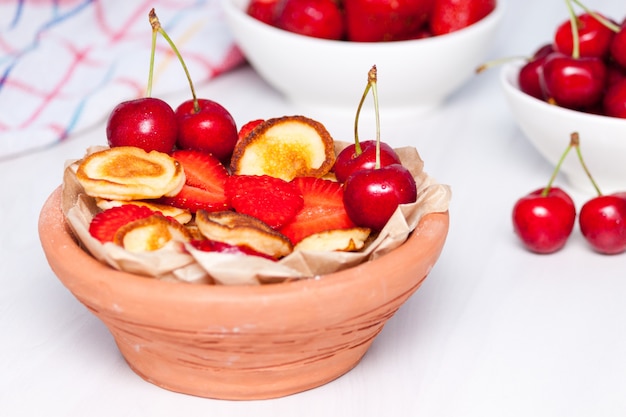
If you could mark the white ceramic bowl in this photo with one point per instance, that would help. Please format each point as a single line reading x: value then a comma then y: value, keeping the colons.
x: 414, y: 75
x: 548, y: 127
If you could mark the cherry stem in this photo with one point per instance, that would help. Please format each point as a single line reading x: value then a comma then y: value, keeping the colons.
x: 357, y: 143
x: 152, y: 53
x: 547, y: 188
x: 156, y: 27
x: 574, y: 25
x: 373, y: 81
x: 575, y: 141
x: 487, y: 65
x: 606, y: 22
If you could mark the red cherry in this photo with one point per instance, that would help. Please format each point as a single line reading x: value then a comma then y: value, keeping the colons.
x: 614, y: 73
x: 384, y: 20
x: 614, y: 103
x: 530, y: 75
x: 148, y: 123
x: 263, y: 10
x: 594, y: 37
x: 603, y: 223
x: 618, y: 46
x: 452, y: 15
x: 348, y: 162
x: 544, y: 221
x: 370, y: 197
x: 315, y: 18
x: 211, y: 128
x: 575, y: 83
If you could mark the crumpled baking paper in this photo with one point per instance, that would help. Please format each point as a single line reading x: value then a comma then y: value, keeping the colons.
x: 181, y: 262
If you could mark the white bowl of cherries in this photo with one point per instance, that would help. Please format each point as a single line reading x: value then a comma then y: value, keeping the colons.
x: 558, y: 91
x: 571, y: 94
x: 318, y: 69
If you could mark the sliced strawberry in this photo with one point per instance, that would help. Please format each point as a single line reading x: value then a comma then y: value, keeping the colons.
x: 249, y: 127
x: 207, y: 245
x: 105, y: 224
x: 204, y: 184
x: 323, y: 209
x: 269, y: 199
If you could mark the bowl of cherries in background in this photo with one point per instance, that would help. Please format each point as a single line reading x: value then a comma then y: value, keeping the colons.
x: 312, y: 51
x: 571, y: 94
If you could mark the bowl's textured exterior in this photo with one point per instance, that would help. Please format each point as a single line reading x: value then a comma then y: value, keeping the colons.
x: 415, y: 76
x: 243, y: 342
x: 549, y: 127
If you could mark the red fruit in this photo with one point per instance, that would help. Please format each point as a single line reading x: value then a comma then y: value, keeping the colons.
x: 452, y: 15
x: 323, y: 209
x: 205, y: 179
x: 315, y: 18
x: 105, y: 224
x: 615, y: 73
x: 614, y: 102
x: 148, y: 123
x: 372, y: 196
x: 544, y: 222
x: 384, y: 20
x: 618, y: 46
x: 348, y: 161
x: 575, y: 83
x: 263, y: 10
x: 269, y: 199
x: 603, y: 223
x: 530, y: 76
x: 594, y: 37
x: 207, y: 245
x: 248, y: 127
x: 207, y: 128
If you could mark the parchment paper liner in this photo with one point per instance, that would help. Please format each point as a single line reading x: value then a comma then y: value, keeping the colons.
x: 181, y: 262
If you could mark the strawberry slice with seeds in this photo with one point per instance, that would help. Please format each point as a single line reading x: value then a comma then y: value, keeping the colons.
x: 323, y: 209
x: 105, y: 224
x: 205, y: 178
x: 272, y: 200
x: 248, y: 127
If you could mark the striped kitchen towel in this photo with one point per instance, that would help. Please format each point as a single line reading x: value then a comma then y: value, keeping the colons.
x: 64, y: 64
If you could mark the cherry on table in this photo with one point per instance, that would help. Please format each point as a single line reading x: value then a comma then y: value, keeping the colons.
x: 544, y: 220
x: 603, y: 223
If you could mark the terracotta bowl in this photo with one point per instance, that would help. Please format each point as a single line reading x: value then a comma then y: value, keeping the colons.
x: 243, y: 342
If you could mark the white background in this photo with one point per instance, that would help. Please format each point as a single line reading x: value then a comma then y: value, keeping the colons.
x: 494, y: 330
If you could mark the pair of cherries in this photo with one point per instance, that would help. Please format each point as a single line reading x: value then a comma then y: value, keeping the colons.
x: 151, y: 124
x: 544, y: 219
x: 583, y: 68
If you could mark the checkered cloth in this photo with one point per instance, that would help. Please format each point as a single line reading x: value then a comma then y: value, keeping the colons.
x: 65, y: 64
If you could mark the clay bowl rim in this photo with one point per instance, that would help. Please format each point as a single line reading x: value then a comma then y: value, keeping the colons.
x: 59, y: 245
